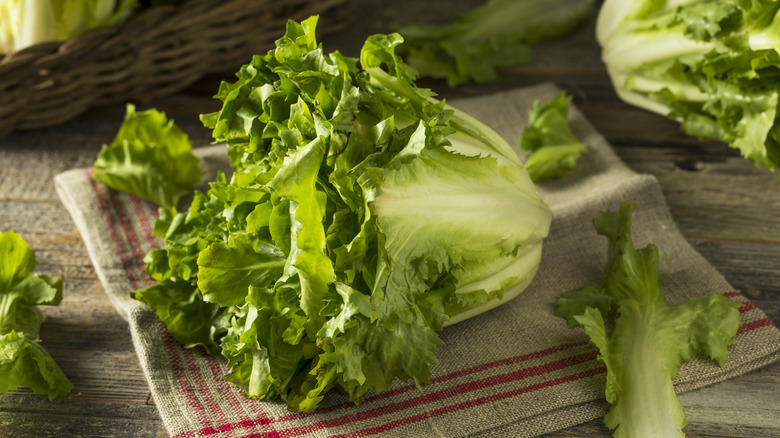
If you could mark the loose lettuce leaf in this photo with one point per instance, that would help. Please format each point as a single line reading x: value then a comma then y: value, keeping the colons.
x: 150, y: 157
x: 642, y: 339
x: 554, y: 147
x: 23, y: 362
x: 499, y: 33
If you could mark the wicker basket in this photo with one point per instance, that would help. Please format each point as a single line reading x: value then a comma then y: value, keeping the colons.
x: 159, y: 51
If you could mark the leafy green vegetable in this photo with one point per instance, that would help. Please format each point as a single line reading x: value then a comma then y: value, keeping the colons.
x: 499, y: 33
x: 24, y: 23
x: 362, y: 216
x: 554, y: 148
x: 642, y: 338
x: 150, y: 157
x: 23, y: 362
x: 711, y: 65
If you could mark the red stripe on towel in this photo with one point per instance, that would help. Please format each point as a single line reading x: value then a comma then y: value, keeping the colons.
x: 106, y: 210
x: 115, y: 224
x: 430, y: 397
x: 473, y: 403
x: 752, y: 325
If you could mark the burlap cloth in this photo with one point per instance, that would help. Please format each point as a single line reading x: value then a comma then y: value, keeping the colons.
x: 514, y: 371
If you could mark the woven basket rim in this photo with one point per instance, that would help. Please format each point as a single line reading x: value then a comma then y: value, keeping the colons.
x: 152, y: 15
x: 158, y: 51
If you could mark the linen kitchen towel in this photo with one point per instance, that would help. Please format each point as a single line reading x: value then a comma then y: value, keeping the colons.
x: 516, y: 370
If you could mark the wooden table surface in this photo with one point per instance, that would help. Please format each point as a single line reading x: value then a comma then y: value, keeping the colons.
x: 726, y: 208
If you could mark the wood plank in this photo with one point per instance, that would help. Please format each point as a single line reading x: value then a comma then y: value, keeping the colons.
x: 740, y: 414
x: 723, y: 197
x: 28, y: 417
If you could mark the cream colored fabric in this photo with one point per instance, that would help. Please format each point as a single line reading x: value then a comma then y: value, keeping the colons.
x: 514, y: 371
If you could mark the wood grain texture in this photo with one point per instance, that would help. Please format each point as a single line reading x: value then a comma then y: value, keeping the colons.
x: 724, y: 206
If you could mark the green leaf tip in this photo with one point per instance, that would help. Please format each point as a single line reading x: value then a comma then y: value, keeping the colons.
x: 150, y: 157
x: 553, y: 147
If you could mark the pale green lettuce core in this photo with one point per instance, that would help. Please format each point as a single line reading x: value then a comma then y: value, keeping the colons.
x: 24, y: 23
x: 711, y: 65
x: 362, y: 217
